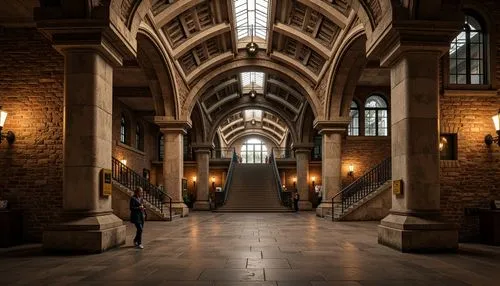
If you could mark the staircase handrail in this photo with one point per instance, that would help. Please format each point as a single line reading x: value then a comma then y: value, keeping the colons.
x: 130, y: 179
x: 277, y: 177
x: 363, y: 186
x: 229, y: 177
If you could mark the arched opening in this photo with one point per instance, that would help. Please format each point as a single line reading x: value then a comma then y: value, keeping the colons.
x: 254, y: 151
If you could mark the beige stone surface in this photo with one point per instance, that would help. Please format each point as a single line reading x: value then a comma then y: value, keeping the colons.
x: 202, y: 180
x: 302, y: 156
x: 173, y: 166
x: 90, y: 234
x: 374, y: 208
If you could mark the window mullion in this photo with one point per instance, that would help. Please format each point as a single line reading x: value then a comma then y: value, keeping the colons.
x: 467, y: 57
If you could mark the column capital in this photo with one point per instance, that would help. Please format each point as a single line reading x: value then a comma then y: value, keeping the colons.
x: 416, y: 36
x: 168, y: 125
x: 332, y: 126
x: 302, y: 147
x: 202, y: 147
x: 90, y: 25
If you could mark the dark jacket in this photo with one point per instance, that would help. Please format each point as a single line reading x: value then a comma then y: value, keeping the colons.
x: 136, y: 214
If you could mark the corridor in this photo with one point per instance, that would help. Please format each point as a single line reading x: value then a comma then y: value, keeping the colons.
x: 253, y: 249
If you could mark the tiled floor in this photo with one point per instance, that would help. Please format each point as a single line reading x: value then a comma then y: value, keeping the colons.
x: 254, y: 249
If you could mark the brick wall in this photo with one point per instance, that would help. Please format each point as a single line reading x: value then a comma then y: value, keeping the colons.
x: 31, y: 90
x: 473, y: 180
x: 137, y: 160
x: 363, y: 153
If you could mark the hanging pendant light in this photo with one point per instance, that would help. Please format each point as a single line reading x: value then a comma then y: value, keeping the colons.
x: 252, y: 47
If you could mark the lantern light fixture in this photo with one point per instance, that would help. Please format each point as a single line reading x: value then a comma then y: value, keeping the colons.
x: 489, y: 139
x: 10, y: 135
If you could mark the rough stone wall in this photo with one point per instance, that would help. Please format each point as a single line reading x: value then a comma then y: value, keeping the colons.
x: 31, y: 91
x: 473, y: 180
x: 136, y: 160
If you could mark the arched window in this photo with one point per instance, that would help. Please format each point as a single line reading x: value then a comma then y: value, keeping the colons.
x: 253, y: 151
x: 468, y: 54
x: 375, y: 116
x: 161, y: 147
x: 139, y: 137
x: 353, y: 129
x: 124, y: 130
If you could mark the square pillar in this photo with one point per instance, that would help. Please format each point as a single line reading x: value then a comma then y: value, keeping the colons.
x: 414, y: 223
x: 89, y: 224
x: 331, y: 162
x: 302, y: 155
x: 173, y: 161
x: 202, y: 187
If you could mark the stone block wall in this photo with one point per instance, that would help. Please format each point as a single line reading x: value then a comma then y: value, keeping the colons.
x: 31, y: 91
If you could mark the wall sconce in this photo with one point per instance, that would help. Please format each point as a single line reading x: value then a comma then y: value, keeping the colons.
x: 10, y: 135
x: 294, y: 182
x: 490, y: 139
x: 194, y: 182
x: 350, y: 173
x: 313, y: 179
x: 123, y: 161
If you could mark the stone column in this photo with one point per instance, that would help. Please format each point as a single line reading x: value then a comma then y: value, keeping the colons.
x: 89, y: 223
x: 173, y: 161
x: 202, y: 188
x: 331, y: 153
x: 413, y: 223
x: 302, y: 156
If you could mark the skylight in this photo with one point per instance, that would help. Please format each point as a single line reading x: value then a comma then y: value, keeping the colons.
x: 247, y: 78
x: 255, y: 114
x: 251, y: 15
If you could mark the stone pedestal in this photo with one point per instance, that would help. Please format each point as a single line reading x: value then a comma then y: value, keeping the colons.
x: 93, y: 234
x: 90, y: 224
x: 414, y: 223
x: 202, y: 188
x: 302, y: 155
x: 331, y: 162
x: 173, y: 162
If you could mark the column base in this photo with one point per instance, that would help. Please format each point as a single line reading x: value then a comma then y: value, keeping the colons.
x: 201, y: 206
x: 305, y: 206
x: 324, y: 209
x: 417, y: 234
x: 180, y: 208
x: 93, y: 234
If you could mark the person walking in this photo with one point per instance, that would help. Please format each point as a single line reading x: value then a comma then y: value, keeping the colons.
x: 137, y: 216
x: 296, y: 198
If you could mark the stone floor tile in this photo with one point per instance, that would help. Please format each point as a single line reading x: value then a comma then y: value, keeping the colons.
x: 233, y: 274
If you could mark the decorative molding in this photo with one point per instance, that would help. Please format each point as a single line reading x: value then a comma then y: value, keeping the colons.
x: 130, y: 148
x: 471, y: 92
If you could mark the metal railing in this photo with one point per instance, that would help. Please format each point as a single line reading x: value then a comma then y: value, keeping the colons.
x: 220, y: 198
x: 282, y: 153
x: 284, y: 197
x: 130, y: 179
x: 363, y: 186
x: 222, y: 153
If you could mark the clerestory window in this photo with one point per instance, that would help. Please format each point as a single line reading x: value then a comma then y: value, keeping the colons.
x: 468, y: 54
x: 251, y: 18
x: 353, y: 129
x: 376, y: 121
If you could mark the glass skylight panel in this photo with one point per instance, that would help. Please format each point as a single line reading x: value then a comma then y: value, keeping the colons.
x: 253, y: 114
x: 246, y: 82
x: 251, y: 15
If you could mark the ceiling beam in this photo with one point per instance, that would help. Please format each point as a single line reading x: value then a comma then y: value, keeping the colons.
x: 173, y: 10
x: 326, y: 9
x: 282, y: 101
x: 303, y: 38
x: 270, y: 23
x: 287, y: 88
x: 125, y: 91
x: 200, y: 37
x: 207, y: 65
x: 232, y: 22
x: 296, y: 64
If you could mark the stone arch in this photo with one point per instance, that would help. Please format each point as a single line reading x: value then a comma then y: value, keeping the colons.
x: 199, y: 125
x: 258, y: 65
x: 251, y: 105
x: 344, y: 76
x: 151, y: 56
x: 249, y: 134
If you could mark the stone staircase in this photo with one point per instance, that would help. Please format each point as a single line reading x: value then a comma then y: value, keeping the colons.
x: 120, y: 203
x: 375, y: 206
x: 253, y: 189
